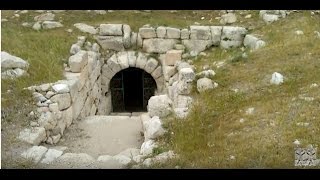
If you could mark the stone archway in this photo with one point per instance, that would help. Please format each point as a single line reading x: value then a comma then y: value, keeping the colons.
x: 131, y: 89
x: 123, y: 61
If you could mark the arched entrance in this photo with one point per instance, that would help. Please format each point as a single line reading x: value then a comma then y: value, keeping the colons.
x: 131, y: 89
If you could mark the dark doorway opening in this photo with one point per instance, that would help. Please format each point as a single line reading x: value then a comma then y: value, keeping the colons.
x: 131, y: 89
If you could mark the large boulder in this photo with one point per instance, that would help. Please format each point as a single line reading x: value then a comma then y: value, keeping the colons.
x: 161, y: 32
x: 207, y: 74
x: 111, y: 42
x: 61, y: 88
x: 181, y: 113
x: 160, y: 106
x: 157, y: 45
x: 110, y: 30
x: 195, y: 46
x: 12, y: 66
x: 126, y: 36
x: 153, y: 128
x: 184, y: 34
x: 151, y: 65
x: 11, y: 62
x: 147, y: 147
x: 186, y: 74
x: 173, y: 33
x: 63, y: 100
x: 34, y: 153
x: 33, y: 136
x: 172, y: 57
x: 51, y: 24
x: 51, y: 155
x: 253, y: 42
x: 200, y: 32
x: 45, y: 17
x: 13, y: 73
x: 75, y: 48
x: 78, y: 61
x: 270, y: 18
x: 85, y: 28
x: 80, y: 160
x: 205, y: 84
x: 232, y: 36
x: 47, y: 120
x: 228, y: 18
x: 216, y: 32
x: 147, y: 32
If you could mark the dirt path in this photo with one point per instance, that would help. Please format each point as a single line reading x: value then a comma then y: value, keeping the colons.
x: 104, y: 135
x: 86, y: 140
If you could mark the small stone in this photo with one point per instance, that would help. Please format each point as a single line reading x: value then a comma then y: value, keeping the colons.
x: 31, y: 113
x: 50, y: 94
x: 250, y: 111
x: 299, y: 32
x: 296, y: 142
x: 45, y: 87
x: 314, y: 85
x: 26, y: 24
x: 317, y: 33
x: 81, y: 40
x: 37, y: 26
x: 244, y: 55
x: 276, y: 78
x: 241, y: 120
x: 203, y: 54
x: 75, y: 48
x: 39, y: 97
x: 206, y: 74
x: 248, y: 16
x: 101, y: 12
x: 95, y: 47
x: 69, y: 30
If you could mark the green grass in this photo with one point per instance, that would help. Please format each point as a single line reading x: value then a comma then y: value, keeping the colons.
x: 212, y: 133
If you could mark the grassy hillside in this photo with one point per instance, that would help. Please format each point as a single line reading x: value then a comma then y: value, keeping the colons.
x: 213, y: 132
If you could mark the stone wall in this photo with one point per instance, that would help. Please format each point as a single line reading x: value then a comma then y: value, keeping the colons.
x: 62, y: 102
x: 85, y: 90
x: 161, y: 39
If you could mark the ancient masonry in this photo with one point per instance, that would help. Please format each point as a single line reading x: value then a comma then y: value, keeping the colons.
x: 85, y: 91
